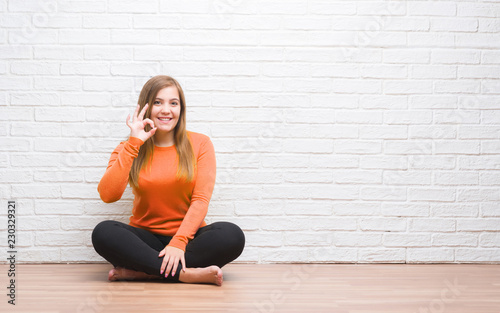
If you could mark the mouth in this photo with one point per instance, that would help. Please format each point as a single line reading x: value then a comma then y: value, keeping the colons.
x: 165, y: 119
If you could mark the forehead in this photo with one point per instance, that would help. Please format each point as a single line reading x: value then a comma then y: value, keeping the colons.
x: 168, y: 93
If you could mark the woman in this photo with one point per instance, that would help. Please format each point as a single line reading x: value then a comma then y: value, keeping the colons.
x: 172, y: 175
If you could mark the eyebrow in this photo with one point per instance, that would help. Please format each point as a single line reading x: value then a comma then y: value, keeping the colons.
x: 170, y: 99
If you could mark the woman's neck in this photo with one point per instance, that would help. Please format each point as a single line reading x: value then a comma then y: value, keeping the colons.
x: 164, y: 139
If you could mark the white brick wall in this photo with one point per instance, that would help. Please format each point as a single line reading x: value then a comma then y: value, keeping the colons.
x: 361, y: 131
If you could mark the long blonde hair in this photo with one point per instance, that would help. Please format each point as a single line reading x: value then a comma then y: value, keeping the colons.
x: 185, y: 154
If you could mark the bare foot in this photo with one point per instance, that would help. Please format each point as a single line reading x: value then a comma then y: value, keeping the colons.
x: 120, y: 273
x: 207, y: 275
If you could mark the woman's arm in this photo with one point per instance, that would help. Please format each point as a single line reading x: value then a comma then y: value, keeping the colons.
x: 115, y: 179
x: 202, y: 192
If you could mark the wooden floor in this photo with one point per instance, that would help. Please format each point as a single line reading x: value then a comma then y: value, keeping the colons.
x: 339, y: 288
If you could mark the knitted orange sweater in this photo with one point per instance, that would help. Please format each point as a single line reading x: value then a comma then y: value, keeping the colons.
x: 163, y: 204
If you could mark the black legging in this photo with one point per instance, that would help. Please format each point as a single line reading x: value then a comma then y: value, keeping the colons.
x: 137, y: 249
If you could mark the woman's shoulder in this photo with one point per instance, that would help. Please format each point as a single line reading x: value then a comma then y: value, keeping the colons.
x: 198, y: 138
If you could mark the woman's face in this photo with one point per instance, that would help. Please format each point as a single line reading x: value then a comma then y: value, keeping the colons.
x: 166, y: 109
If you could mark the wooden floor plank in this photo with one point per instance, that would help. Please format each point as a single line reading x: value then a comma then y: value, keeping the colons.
x: 263, y: 288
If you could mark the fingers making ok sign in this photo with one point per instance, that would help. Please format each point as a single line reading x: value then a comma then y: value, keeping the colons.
x: 138, y: 123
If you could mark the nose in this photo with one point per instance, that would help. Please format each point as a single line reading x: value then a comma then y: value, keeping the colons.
x: 165, y: 108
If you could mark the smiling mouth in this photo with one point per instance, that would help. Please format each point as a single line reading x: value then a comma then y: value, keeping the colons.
x: 165, y: 119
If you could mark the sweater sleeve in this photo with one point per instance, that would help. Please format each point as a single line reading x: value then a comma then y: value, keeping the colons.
x: 202, y: 192
x: 115, y: 179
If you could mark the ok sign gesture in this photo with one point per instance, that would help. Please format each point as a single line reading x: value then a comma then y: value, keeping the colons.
x: 138, y: 124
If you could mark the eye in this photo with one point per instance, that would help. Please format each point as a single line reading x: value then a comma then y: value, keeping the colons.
x: 156, y: 102
x: 174, y: 103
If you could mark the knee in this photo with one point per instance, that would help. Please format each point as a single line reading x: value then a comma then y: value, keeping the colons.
x: 234, y: 235
x: 101, y: 232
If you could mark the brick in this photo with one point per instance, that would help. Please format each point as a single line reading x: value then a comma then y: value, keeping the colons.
x: 356, y: 208
x: 380, y: 255
x: 86, y: 68
x: 405, y: 209
x: 490, y: 209
x: 35, y: 191
x: 357, y: 177
x: 457, y: 147
x: 107, y: 53
x: 475, y: 255
x: 479, y: 162
x: 49, y: 207
x: 454, y: 24
x: 432, y: 225
x: 455, y: 56
x: 14, y: 144
x: 85, y: 6
x: 407, y: 87
x: 59, y: 114
x: 130, y: 6
x: 354, y: 239
x: 418, y: 147
x: 456, y: 178
x: 430, y: 255
x: 58, y: 83
x: 383, y: 193
x: 431, y: 194
x: 84, y: 36
x: 387, y: 224
x: 489, y: 240
x: 329, y: 8
x: 402, y: 56
x: 15, y: 83
x: 406, y: 240
x: 432, y: 132
x: 455, y: 210
x: 478, y: 194
x: 15, y: 176
x: 34, y: 130
x: 16, y: 114
x: 34, y: 68
x: 436, y: 8
x: 48, y: 238
x: 489, y: 178
x: 135, y: 36
x: 308, y: 208
x: 407, y: 178
x: 34, y: 99
x: 455, y: 240
x: 58, y: 53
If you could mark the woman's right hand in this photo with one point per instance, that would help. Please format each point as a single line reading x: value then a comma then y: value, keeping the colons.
x: 138, y: 124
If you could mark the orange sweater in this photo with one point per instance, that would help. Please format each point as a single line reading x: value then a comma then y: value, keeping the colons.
x: 163, y: 204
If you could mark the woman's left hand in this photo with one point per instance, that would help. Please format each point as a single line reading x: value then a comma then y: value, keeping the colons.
x: 171, y: 260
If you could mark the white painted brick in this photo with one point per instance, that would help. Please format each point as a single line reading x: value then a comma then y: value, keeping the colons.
x: 407, y: 87
x: 335, y: 255
x: 455, y: 210
x: 86, y: 68
x: 306, y: 177
x: 15, y: 83
x: 438, y: 8
x: 355, y: 239
x: 454, y: 24
x: 307, y: 85
x: 156, y: 21
x: 408, y: 117
x: 489, y: 178
x: 34, y: 255
x: 455, y: 240
x: 57, y: 83
x: 478, y: 9
x: 36, y: 191
x: 262, y: 208
x: 357, y: 177
x: 364, y: 86
x: 450, y: 178
x: 59, y: 176
x: 334, y: 101
x: 50, y: 238
x: 455, y: 56
x: 357, y: 146
x: 58, y: 53
x: 35, y: 159
x: 384, y: 71
x: 406, y: 240
x: 431, y: 39
x: 106, y: 21
x: 432, y: 132
x: 457, y: 117
x: 38, y: 36
x: 477, y: 255
x: 256, y: 22
x: 359, y: 117
x: 331, y: 8
x: 59, y: 114
x: 431, y: 225
x: 299, y: 238
x: 407, y: 178
x: 457, y: 147
x: 431, y: 194
x: 418, y: 147
x: 14, y: 144
x: 22, y: 129
x: 70, y: 254
x: 213, y: 37
x: 479, y: 162
x: 107, y: 53
x: 490, y: 57
x: 433, y: 72
x: 107, y: 84
x: 380, y: 255
x: 386, y: 224
x: 283, y: 255
x: 356, y: 208
x: 490, y: 209
x: 34, y: 99
x: 308, y: 208
x: 430, y: 255
x: 490, y: 86
x: 134, y: 36
x: 263, y: 239
x: 404, y: 209
x: 131, y: 6
x: 489, y: 240
x: 476, y: 194
x: 327, y: 161
x: 240, y: 69
x: 384, y: 162
x: 34, y: 68
x: 490, y: 116
x: 15, y: 176
x: 477, y: 40
x: 84, y: 6
x: 406, y: 24
x: 333, y: 192
x: 59, y: 144
x: 85, y: 36
x: 49, y: 207
x: 399, y: 56
x: 383, y: 193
